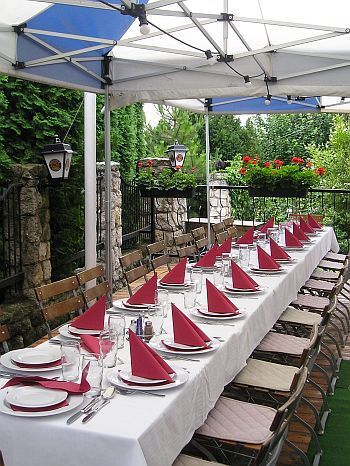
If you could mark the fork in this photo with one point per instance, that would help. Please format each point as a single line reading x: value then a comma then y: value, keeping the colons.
x: 127, y: 391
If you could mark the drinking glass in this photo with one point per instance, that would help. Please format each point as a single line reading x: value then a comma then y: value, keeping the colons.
x: 108, y: 340
x: 161, y: 298
x: 155, y: 314
x: 218, y: 277
x: 226, y: 263
x: 190, y: 295
x: 244, y: 255
x: 261, y: 240
x: 93, y: 363
x: 70, y: 356
x: 197, y: 278
x: 116, y: 323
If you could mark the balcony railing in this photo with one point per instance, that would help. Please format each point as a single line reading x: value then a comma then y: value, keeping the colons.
x: 333, y: 204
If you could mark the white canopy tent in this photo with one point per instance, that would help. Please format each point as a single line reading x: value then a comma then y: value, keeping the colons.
x: 194, y: 49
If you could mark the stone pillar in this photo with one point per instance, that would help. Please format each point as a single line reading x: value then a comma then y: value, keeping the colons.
x: 116, y: 220
x: 170, y: 213
x: 35, y: 225
x: 220, y: 199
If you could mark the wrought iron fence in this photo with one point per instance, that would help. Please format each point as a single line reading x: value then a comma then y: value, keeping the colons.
x: 11, y: 273
x: 333, y: 204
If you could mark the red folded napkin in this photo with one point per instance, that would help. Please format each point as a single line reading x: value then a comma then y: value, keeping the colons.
x: 312, y: 222
x: 90, y: 343
x: 218, y: 302
x: 277, y: 252
x: 71, y: 387
x: 37, y: 366
x: 247, y: 238
x: 209, y: 259
x: 269, y: 224
x: 186, y: 332
x: 265, y: 260
x: 291, y: 240
x: 93, y: 318
x: 36, y: 410
x: 299, y: 233
x: 147, y: 363
x: 305, y: 227
x: 145, y: 295
x: 225, y: 247
x: 177, y: 274
x: 240, y: 279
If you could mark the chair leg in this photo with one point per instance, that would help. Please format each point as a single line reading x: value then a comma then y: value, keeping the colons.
x: 299, y: 452
x: 318, y: 425
x: 318, y: 453
x: 331, y: 337
x: 325, y: 407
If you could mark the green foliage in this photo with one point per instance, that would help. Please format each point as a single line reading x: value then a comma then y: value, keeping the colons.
x: 287, y: 176
x: 165, y: 179
x: 286, y: 136
x: 232, y: 175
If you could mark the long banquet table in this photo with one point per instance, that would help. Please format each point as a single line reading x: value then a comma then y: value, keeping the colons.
x: 144, y: 430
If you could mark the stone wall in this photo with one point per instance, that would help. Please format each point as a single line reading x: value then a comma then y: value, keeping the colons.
x: 220, y: 199
x: 116, y: 220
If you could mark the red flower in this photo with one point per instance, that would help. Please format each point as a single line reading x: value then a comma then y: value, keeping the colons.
x: 278, y: 163
x: 267, y: 164
x: 246, y: 159
x: 254, y: 161
x: 140, y: 164
x: 297, y: 160
x: 150, y: 163
x: 243, y: 171
x: 320, y: 171
x: 308, y: 164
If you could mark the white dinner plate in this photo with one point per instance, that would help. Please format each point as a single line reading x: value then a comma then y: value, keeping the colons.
x: 6, y: 360
x: 250, y: 246
x: 180, y: 378
x: 286, y: 261
x: 126, y: 375
x: 169, y: 341
x: 73, y: 402
x: 266, y: 271
x: 138, y: 307
x: 158, y: 345
x: 173, y: 287
x: 293, y: 248
x: 66, y: 333
x: 83, y: 331
x: 34, y: 396
x: 205, y: 269
x: 257, y: 289
x: 219, y: 315
x: 212, y: 316
x: 35, y: 356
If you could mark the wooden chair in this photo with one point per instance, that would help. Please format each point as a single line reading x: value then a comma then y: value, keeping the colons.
x: 158, y: 255
x: 218, y: 228
x: 93, y: 284
x: 4, y: 336
x: 200, y: 239
x: 232, y: 232
x: 185, y: 246
x: 58, y: 299
x: 229, y: 222
x: 133, y: 268
x: 221, y: 237
x: 317, y: 217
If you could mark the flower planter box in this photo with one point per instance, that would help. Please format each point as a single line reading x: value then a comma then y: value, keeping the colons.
x: 279, y: 192
x: 172, y: 192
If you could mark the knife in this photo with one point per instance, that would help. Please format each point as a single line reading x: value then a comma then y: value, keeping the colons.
x: 94, y: 411
x: 82, y: 411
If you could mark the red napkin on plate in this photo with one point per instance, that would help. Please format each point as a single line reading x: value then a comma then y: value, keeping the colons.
x: 291, y: 240
x: 36, y: 410
x: 265, y: 260
x: 93, y: 318
x: 145, y: 295
x: 312, y: 222
x: 305, y: 227
x: 186, y: 332
x: 147, y: 363
x: 269, y: 224
x: 176, y: 275
x: 71, y: 387
x: 218, y: 302
x: 225, y: 247
x: 277, y: 252
x: 209, y: 259
x: 90, y: 343
x: 247, y: 238
x: 37, y: 366
x: 299, y: 233
x: 240, y: 279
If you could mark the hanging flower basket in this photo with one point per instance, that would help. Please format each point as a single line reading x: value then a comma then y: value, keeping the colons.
x: 277, y: 192
x: 170, y: 193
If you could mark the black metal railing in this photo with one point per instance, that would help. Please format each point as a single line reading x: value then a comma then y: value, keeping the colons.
x: 11, y: 274
x: 137, y: 214
x: 333, y: 204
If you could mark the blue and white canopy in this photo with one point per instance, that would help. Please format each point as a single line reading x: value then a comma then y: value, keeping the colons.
x: 195, y: 48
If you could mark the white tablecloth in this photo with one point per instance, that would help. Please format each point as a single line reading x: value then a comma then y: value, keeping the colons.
x: 141, y: 430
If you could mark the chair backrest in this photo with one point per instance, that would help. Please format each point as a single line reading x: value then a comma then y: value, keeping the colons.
x: 221, y: 237
x: 281, y: 421
x: 228, y: 222
x: 4, y: 336
x: 93, y: 284
x: 232, y: 232
x: 218, y: 227
x: 158, y: 255
x: 185, y: 246
x: 317, y: 217
x: 200, y: 239
x: 58, y: 299
x: 133, y: 268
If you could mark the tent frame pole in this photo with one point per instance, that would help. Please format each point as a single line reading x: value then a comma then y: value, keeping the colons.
x: 207, y: 170
x: 107, y: 204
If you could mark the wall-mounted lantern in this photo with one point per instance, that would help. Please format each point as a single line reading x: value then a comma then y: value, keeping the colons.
x: 58, y: 158
x: 177, y: 154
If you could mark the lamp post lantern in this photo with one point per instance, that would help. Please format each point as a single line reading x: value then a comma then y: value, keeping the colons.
x: 58, y: 158
x: 177, y: 154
